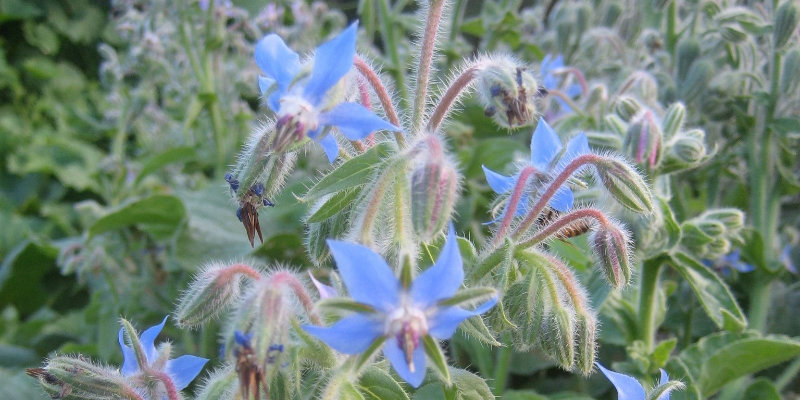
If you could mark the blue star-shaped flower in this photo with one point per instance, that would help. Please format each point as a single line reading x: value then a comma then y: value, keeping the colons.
x: 550, y: 81
x: 403, y: 316
x: 545, y: 150
x: 299, y: 101
x: 629, y: 388
x: 182, y: 370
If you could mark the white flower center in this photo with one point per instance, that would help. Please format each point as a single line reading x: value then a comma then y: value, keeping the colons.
x: 407, y: 324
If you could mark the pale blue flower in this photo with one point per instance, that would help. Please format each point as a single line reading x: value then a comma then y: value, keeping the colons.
x: 181, y: 370
x: 550, y: 65
x: 729, y: 261
x: 549, y: 158
x: 628, y: 388
x: 300, y: 102
x: 404, y: 316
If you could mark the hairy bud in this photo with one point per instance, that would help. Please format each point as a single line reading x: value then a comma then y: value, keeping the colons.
x: 627, y: 107
x: 625, y: 185
x: 69, y: 377
x: 586, y: 346
x: 785, y: 23
x: 612, y: 247
x: 212, y: 291
x: 559, y: 341
x: 688, y: 51
x: 644, y: 140
x: 731, y: 218
x: 434, y: 185
x: 697, y: 79
x: 673, y: 119
x: 685, y: 150
x: 790, y: 73
x: 507, y: 92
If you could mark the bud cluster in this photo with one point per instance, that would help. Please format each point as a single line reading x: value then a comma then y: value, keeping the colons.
x: 710, y: 235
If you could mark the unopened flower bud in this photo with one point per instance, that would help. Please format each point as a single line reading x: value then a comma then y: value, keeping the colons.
x: 598, y: 95
x: 625, y: 185
x: 222, y: 384
x: 785, y: 23
x: 685, y: 150
x: 507, y: 93
x: 68, y: 377
x: 673, y: 119
x: 611, y: 245
x: 214, y: 288
x: 731, y: 218
x: 697, y: 79
x: 433, y: 193
x: 586, y: 347
x: 710, y: 227
x: 627, y: 107
x: 644, y: 140
x: 732, y: 32
x: 559, y: 342
x: 616, y: 124
x: 608, y: 140
x: 790, y: 73
x: 716, y: 249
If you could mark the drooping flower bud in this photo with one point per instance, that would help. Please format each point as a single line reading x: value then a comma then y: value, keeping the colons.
x: 69, y: 377
x: 627, y: 107
x: 586, y: 346
x: 507, y: 92
x: 644, y: 140
x: 625, y: 185
x: 214, y: 288
x: 434, y: 187
x: 731, y: 218
x: 611, y: 245
x: 790, y: 73
x: 697, y: 80
x: 559, y: 341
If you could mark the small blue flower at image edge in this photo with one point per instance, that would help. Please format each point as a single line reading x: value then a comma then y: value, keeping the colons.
x: 181, y: 370
x: 628, y: 388
x: 729, y: 261
x: 545, y: 149
x: 402, y: 316
x: 302, y: 102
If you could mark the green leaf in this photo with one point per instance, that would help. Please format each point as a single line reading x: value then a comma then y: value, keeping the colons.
x: 434, y: 353
x: 714, y: 295
x: 155, y: 163
x: 671, y: 226
x: 159, y: 215
x: 470, y: 386
x: 662, y: 351
x: 470, y: 296
x: 22, y: 276
x: 522, y: 395
x: 353, y: 172
x: 721, y: 358
x: 474, y: 27
x: 377, y: 384
x: 763, y: 389
x: 334, y: 205
x: 18, y: 9
x: 475, y: 327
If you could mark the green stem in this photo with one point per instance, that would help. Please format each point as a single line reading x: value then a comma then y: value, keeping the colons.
x: 501, y: 367
x: 788, y: 375
x: 647, y: 301
x: 672, y: 36
x: 390, y: 44
x: 425, y: 61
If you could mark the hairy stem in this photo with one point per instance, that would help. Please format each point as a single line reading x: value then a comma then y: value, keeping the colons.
x: 425, y: 60
x: 446, y: 102
x: 562, y: 177
x: 513, y: 202
x: 244, y: 269
x: 287, y: 278
x: 647, y: 301
x: 383, y: 95
x: 172, y: 392
x: 561, y: 223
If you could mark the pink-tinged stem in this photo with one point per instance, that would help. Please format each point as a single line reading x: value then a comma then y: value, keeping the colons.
x: 551, y: 190
x: 564, y: 221
x: 579, y: 76
x: 425, y: 59
x: 242, y: 269
x: 172, y: 393
x: 363, y: 91
x: 567, y: 278
x: 386, y: 101
x: 452, y: 93
x: 287, y: 278
x: 513, y: 202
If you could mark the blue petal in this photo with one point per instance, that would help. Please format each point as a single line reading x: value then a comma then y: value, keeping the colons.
x: 184, y: 369
x: 264, y: 83
x: 562, y: 200
x: 324, y: 290
x: 277, y: 60
x: 367, y: 276
x: 445, y: 322
x: 354, y: 120
x: 148, y: 338
x: 395, y: 355
x: 545, y: 145
x: 242, y: 339
x: 129, y: 365
x: 664, y: 380
x: 628, y: 388
x: 331, y: 62
x: 351, y: 335
x: 577, y: 146
x: 330, y: 147
x: 274, y: 100
x: 441, y: 280
x: 499, y: 183
x: 573, y: 90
